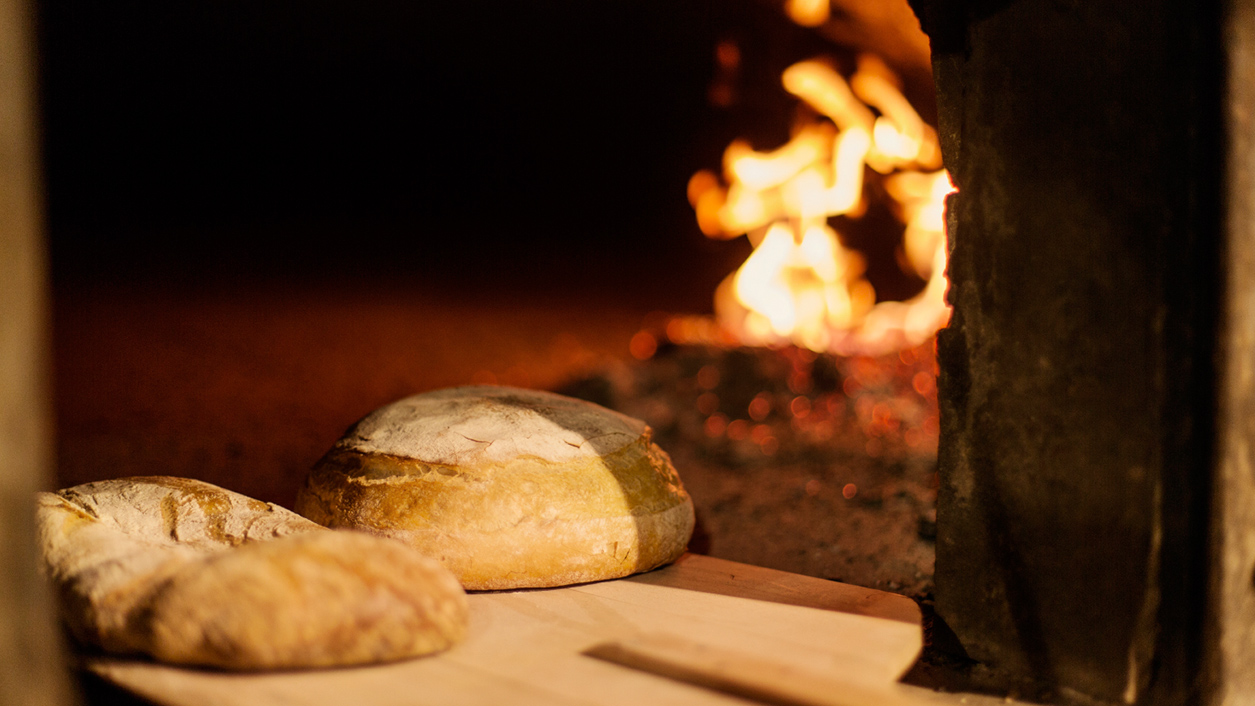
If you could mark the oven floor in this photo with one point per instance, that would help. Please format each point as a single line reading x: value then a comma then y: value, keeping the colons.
x: 817, y: 465
x: 246, y: 386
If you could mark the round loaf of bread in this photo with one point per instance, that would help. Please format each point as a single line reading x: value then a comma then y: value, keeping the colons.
x: 190, y: 573
x: 509, y: 488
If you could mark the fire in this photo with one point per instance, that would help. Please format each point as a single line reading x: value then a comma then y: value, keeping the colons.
x: 800, y: 285
x: 808, y: 13
x: 791, y: 289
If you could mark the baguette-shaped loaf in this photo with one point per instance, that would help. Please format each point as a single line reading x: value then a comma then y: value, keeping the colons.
x: 190, y: 573
x: 509, y: 488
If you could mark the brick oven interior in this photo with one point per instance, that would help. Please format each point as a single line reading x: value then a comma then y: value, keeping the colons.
x: 283, y: 224
x: 265, y: 221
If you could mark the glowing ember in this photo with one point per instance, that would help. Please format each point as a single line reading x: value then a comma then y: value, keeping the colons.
x: 800, y: 285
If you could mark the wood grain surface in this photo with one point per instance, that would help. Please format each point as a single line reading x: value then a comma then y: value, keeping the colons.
x: 527, y: 647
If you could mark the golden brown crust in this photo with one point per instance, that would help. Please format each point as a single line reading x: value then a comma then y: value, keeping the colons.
x: 318, y: 600
x: 193, y: 574
x: 517, y: 522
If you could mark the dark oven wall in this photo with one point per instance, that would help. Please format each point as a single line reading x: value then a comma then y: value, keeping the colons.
x: 231, y: 137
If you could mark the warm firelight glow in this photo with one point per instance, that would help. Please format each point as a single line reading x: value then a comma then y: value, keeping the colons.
x: 824, y: 90
x: 800, y: 285
x: 808, y: 13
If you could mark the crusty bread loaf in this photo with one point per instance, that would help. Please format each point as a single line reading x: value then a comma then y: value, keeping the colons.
x: 509, y: 488
x: 190, y: 573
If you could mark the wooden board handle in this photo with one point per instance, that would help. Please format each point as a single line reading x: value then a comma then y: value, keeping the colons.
x: 741, y: 674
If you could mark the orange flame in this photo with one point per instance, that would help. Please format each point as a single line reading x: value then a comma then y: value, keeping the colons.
x: 808, y: 13
x: 800, y: 285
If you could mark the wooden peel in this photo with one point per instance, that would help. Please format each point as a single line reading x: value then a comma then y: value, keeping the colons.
x: 741, y: 674
x: 529, y: 648
x: 709, y: 574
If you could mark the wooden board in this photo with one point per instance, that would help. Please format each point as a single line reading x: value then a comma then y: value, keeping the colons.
x: 529, y: 647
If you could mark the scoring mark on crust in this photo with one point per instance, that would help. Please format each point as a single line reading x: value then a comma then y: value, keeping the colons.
x: 474, y: 440
x: 78, y: 503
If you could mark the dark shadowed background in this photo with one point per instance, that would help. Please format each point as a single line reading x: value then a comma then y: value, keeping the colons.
x: 211, y: 139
